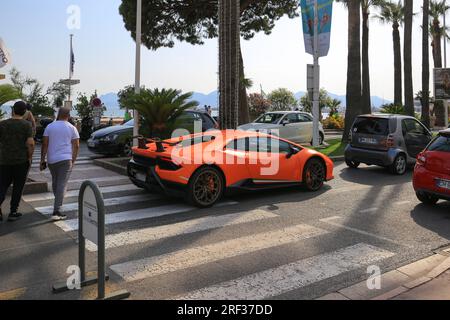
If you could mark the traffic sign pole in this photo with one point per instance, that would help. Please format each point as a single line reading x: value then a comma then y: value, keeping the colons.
x: 91, y: 226
x: 316, y: 90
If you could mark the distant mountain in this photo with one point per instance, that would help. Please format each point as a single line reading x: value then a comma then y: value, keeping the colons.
x: 211, y: 99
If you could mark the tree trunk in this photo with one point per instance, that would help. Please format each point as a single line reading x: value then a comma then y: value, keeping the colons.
x: 397, y: 66
x: 244, y: 115
x: 366, y: 99
x: 438, y: 109
x: 407, y: 56
x: 353, y: 107
x: 229, y: 66
x: 425, y: 65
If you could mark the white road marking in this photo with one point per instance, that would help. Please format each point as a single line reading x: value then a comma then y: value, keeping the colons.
x: 82, y: 162
x: 114, y: 218
x: 401, y: 203
x: 182, y: 228
x: 369, y: 210
x: 296, y: 275
x: 48, y: 210
x: 340, y: 225
x: 74, y: 193
x: 187, y: 258
x: 103, y: 179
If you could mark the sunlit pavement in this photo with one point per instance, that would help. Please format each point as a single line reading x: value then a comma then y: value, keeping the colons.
x: 283, y: 244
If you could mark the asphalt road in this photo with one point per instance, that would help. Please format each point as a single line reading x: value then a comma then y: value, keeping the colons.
x: 282, y: 244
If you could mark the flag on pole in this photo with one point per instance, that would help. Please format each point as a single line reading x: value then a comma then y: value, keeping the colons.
x: 72, y: 59
x: 4, y: 54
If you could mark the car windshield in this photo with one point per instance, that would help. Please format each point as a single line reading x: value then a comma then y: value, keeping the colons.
x: 272, y: 118
x: 441, y: 143
x: 129, y: 123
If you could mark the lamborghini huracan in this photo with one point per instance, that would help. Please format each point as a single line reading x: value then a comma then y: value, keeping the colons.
x: 202, y: 167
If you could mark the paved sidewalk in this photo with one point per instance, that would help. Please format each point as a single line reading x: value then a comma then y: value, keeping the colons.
x: 426, y: 279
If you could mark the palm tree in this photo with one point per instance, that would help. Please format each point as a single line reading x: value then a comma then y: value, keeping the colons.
x: 425, y: 65
x: 365, y: 10
x: 334, y: 106
x: 160, y: 108
x: 393, y: 13
x: 353, y: 94
x: 230, y: 65
x: 437, y: 10
x: 407, y: 56
x: 8, y: 93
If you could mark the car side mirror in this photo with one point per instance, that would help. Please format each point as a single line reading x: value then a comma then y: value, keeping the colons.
x: 292, y: 151
x: 285, y: 122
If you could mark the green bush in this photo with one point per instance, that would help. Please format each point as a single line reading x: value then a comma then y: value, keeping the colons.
x: 335, y: 122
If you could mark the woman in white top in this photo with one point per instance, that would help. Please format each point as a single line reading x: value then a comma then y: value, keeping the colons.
x: 28, y: 116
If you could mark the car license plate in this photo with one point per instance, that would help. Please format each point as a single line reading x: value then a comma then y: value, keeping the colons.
x: 141, y: 177
x: 444, y: 184
x: 368, y: 140
x: 91, y: 144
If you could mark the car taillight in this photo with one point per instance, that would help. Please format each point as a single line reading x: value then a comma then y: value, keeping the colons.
x: 390, y: 141
x: 421, y: 159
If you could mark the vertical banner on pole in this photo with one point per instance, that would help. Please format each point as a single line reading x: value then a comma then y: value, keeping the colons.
x: 325, y: 11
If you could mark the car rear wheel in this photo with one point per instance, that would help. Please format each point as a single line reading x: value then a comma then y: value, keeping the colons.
x: 314, y: 174
x: 426, y: 198
x: 399, y: 165
x: 206, y: 187
x: 352, y: 164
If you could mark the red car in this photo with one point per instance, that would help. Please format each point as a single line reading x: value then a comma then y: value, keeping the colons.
x: 202, y: 167
x: 432, y: 172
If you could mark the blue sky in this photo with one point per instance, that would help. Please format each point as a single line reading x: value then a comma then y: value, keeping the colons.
x: 37, y: 37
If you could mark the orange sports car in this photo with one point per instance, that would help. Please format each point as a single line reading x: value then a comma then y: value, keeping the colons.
x: 202, y: 167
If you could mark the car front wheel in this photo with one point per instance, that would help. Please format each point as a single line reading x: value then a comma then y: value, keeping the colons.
x: 426, y: 198
x: 314, y: 174
x: 206, y: 187
x: 127, y: 149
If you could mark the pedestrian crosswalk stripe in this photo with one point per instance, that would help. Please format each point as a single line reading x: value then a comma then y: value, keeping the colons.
x: 82, y: 162
x: 48, y: 210
x: 126, y: 216
x: 274, y: 282
x: 102, y: 179
x: 74, y: 193
x: 187, y: 227
x: 38, y: 158
x: 187, y: 258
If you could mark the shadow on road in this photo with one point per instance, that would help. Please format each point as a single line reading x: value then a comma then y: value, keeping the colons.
x: 374, y: 176
x: 434, y: 218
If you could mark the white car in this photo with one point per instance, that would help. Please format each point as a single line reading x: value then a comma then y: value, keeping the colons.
x: 295, y: 126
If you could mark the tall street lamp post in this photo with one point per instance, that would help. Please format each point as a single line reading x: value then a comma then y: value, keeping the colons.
x: 137, y: 84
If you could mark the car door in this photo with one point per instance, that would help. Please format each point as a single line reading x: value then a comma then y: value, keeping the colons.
x: 306, y: 128
x: 416, y: 136
x: 268, y: 161
x: 290, y: 127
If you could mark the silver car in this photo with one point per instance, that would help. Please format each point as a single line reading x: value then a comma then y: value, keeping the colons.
x: 294, y: 126
x: 392, y: 141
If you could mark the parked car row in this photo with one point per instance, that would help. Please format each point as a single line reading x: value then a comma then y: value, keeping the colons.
x: 396, y: 142
x: 117, y: 140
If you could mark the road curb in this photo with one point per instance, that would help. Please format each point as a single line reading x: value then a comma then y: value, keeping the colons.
x: 433, y: 274
x: 110, y: 165
x: 440, y: 263
x: 338, y: 159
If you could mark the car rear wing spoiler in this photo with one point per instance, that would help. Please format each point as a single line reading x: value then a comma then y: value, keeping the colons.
x: 142, y: 143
